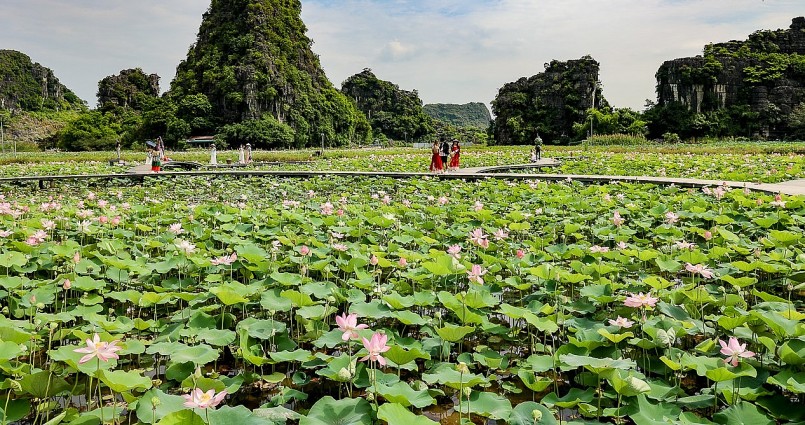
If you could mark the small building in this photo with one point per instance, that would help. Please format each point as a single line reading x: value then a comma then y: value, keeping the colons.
x: 201, y: 141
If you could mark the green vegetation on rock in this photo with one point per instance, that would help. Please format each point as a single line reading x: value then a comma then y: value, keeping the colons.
x: 474, y: 114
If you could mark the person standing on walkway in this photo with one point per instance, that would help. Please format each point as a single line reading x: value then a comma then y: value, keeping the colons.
x: 248, y: 153
x: 444, y: 151
x: 117, y: 149
x: 241, y: 155
x: 156, y: 162
x: 538, y: 147
x: 436, y: 164
x: 455, y: 155
x: 213, y: 155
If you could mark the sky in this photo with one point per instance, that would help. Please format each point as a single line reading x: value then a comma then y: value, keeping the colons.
x: 450, y: 51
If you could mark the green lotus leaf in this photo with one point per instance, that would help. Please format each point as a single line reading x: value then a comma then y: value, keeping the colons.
x: 626, y: 384
x: 13, y: 282
x: 198, y: 354
x: 533, y: 382
x: 525, y: 414
x: 291, y: 356
x: 287, y: 279
x: 784, y: 237
x: 654, y: 414
x: 15, y: 410
x: 742, y: 413
x: 10, y: 259
x: 329, y: 411
x: 406, y: 396
x: 155, y: 405
x: 409, y: 318
x: 489, y: 405
x: 43, y: 384
x: 616, y: 338
x: 182, y: 417
x: 596, y: 365
x: 453, y: 333
x: 401, y: 356
x: 397, y: 301
x: 9, y: 350
x: 297, y: 298
x: 120, y: 381
x: 396, y: 414
x: 228, y: 296
x: 570, y: 400
x: 792, y: 352
x: 448, y: 375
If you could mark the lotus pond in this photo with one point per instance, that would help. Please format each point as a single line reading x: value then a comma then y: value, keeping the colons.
x: 355, y: 301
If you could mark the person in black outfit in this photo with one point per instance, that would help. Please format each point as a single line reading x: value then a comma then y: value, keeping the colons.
x: 444, y: 150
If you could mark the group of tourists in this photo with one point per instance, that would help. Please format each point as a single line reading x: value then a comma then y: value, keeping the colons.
x: 445, y: 157
x: 156, y: 156
x: 244, y: 154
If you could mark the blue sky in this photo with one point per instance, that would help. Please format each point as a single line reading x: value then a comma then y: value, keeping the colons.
x: 451, y: 51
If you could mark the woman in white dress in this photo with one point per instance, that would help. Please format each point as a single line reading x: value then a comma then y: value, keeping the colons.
x: 241, y: 155
x: 213, y: 155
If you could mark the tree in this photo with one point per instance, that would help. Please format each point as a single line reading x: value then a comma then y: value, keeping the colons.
x: 93, y: 130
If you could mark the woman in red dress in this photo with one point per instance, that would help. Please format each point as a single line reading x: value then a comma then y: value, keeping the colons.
x: 436, y: 165
x: 455, y: 155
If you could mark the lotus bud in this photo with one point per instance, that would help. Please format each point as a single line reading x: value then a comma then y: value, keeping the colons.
x: 40, y: 306
x: 67, y: 284
x: 370, y: 397
x: 462, y: 368
x: 467, y: 392
x: 54, y: 325
x: 344, y: 374
x: 155, y: 401
x: 156, y: 382
x: 537, y: 414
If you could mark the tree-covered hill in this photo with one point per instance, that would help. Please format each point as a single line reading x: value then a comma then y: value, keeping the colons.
x: 393, y: 112
x: 474, y: 114
x: 548, y: 104
x: 29, y: 86
x: 252, y: 75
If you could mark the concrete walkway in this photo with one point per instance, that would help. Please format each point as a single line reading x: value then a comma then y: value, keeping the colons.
x: 793, y: 187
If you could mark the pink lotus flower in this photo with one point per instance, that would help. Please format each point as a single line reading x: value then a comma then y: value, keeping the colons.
x: 734, y: 351
x: 621, y: 322
x: 454, y: 250
x: 225, y: 260
x: 443, y: 200
x: 500, y: 235
x: 598, y: 249
x: 304, y: 250
x: 700, y: 269
x: 198, y: 399
x: 476, y: 236
x: 339, y: 247
x: 476, y: 274
x: 778, y: 201
x: 684, y: 245
x: 406, y: 203
x: 671, y: 218
x: 386, y: 200
x: 101, y: 349
x: 478, y: 206
x: 374, y: 260
x: 622, y: 245
x: 340, y: 212
x: 48, y: 224
x: 116, y: 220
x: 176, y: 228
x: 617, y: 220
x: 186, y: 247
x: 76, y: 257
x: 348, y: 324
x: 403, y: 262
x: 6, y: 233
x: 375, y: 346
x: 67, y: 284
x: 103, y: 219
x: 327, y: 208
x: 707, y: 235
x: 640, y: 300
x: 484, y: 243
x: 520, y: 254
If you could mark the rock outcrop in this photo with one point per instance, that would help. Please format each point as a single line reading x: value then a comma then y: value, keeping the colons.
x: 547, y: 104
x: 474, y: 114
x: 29, y: 86
x: 764, y: 74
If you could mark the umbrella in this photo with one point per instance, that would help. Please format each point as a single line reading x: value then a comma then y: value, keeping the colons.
x: 150, y: 143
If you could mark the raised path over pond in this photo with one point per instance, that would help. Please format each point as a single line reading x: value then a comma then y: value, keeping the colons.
x: 142, y: 172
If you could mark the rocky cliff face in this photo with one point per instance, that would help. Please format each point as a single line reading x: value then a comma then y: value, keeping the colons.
x: 548, y: 103
x: 765, y: 74
x: 29, y: 86
x: 126, y: 89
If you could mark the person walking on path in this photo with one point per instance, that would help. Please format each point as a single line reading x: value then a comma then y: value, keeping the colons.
x: 213, y: 155
x: 436, y: 164
x: 455, y: 155
x: 444, y: 151
x: 241, y: 155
